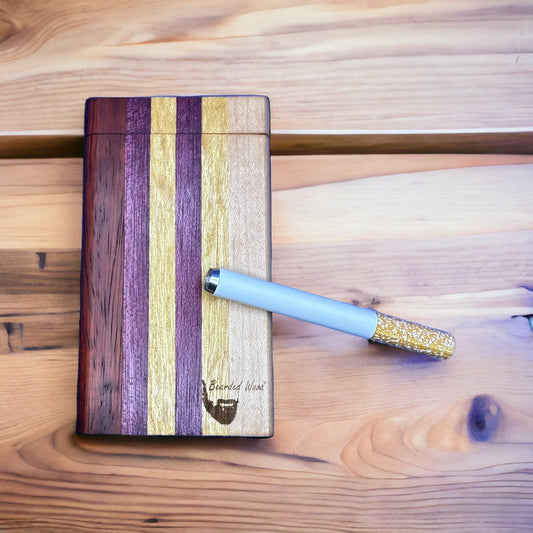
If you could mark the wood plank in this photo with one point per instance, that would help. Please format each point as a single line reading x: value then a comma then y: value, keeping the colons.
x: 366, y: 437
x: 39, y: 332
x: 23, y: 213
x: 434, y: 204
x: 305, y: 170
x: 40, y: 272
x: 30, y: 202
x: 343, y: 65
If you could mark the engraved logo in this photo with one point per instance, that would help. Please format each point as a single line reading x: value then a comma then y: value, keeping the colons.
x: 223, y: 411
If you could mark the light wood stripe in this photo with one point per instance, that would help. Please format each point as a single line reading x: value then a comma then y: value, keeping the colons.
x: 215, y: 253
x: 249, y: 115
x: 249, y: 328
x: 162, y: 281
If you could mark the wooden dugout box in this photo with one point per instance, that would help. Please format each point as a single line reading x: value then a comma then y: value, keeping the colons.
x: 172, y: 187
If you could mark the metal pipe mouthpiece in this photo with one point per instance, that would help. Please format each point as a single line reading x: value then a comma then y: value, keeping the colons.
x: 211, y: 280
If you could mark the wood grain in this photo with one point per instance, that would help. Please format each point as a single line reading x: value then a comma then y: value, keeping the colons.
x: 326, y: 65
x: 424, y: 216
x: 189, y: 268
x: 162, y: 270
x: 215, y: 251
x: 136, y: 268
x: 101, y: 298
x: 59, y: 201
x: 250, y: 335
x: 399, y: 443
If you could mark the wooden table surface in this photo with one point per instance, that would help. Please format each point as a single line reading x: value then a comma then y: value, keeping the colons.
x: 402, y: 179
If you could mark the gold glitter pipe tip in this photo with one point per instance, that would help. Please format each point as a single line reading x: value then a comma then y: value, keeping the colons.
x: 413, y: 337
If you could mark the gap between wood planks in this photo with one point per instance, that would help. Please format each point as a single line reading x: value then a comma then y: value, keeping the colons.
x: 42, y: 144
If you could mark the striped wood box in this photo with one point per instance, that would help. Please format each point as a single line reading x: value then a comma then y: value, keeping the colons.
x: 172, y: 187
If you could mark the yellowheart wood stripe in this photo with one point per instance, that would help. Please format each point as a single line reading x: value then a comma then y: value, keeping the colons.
x: 162, y: 280
x: 215, y: 252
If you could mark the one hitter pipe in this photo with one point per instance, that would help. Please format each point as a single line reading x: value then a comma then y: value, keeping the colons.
x: 360, y: 321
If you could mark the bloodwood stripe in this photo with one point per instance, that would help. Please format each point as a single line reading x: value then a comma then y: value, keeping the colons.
x: 102, y: 271
x: 136, y: 243
x: 188, y: 267
x: 105, y: 115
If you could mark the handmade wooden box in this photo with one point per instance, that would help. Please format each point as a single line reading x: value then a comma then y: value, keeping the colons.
x: 172, y: 187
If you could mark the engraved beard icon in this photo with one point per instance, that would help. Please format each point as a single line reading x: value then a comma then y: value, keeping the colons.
x: 224, y: 411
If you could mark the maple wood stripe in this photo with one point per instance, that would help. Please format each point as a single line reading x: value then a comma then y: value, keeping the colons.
x: 162, y: 281
x: 136, y: 246
x: 102, y: 277
x: 215, y: 253
x: 249, y: 328
x: 188, y: 267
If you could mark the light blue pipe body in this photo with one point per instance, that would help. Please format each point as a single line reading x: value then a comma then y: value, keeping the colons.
x: 296, y: 304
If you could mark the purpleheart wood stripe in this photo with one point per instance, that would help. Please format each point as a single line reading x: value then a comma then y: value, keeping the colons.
x: 136, y: 242
x: 188, y: 267
x: 102, y: 271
